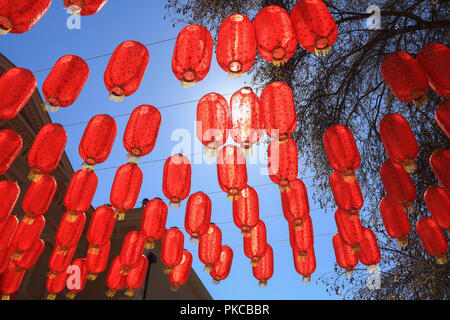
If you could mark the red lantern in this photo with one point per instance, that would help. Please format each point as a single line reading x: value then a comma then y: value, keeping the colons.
x: 10, y: 145
x: 399, y: 141
x: 136, y: 276
x: 153, y: 222
x: 132, y: 249
x: 347, y: 194
x: 78, y: 277
x: 98, y: 140
x: 438, y: 203
x: 345, y: 257
x: 295, y: 203
x: 172, y: 248
x: 9, y: 193
x: 283, y: 163
x: 47, y: 150
x: 11, y: 281
x: 115, y: 280
x: 80, y: 192
x: 69, y: 231
x: 222, y: 267
x: 369, y: 255
x: 84, y: 7
x: 25, y: 236
x: 58, y: 263
x: 435, y: 60
x: 198, y: 215
x: 398, y: 184
x: 341, y: 149
x: 177, y: 179
x: 280, y: 118
x: 19, y: 17
x: 64, y: 83
x: 210, y: 247
x: 141, y: 132
x: 213, y: 121
x: 274, y: 35
x: 406, y: 79
x: 302, y: 239
x: 180, y: 274
x: 100, y: 228
x: 395, y: 220
x: 55, y: 285
x: 350, y: 228
x: 442, y: 117
x: 30, y: 257
x: 236, y: 45
x: 192, y: 55
x: 125, y: 189
x: 231, y: 171
x: 5, y: 259
x: 432, y: 239
x: 8, y: 227
x: 305, y: 267
x: 314, y: 26
x: 440, y: 163
x: 96, y: 262
x: 38, y: 198
x: 255, y: 245
x: 246, y: 118
x: 246, y: 210
x: 125, y: 69
x: 263, y: 271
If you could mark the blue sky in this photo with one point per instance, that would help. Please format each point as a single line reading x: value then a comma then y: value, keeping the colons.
x: 142, y: 20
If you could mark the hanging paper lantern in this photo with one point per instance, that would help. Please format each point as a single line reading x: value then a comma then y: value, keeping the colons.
x: 153, y: 222
x: 132, y: 249
x: 25, y: 236
x: 347, y: 194
x: 432, y: 239
x: 210, y: 247
x: 438, y: 203
x: 47, y: 150
x: 369, y: 255
x: 263, y: 271
x: 246, y: 118
x: 231, y: 171
x: 435, y: 61
x: 5, y: 259
x: 306, y: 267
x: 399, y: 141
x: 136, y: 276
x: 9, y: 193
x: 38, y: 198
x: 314, y: 26
x: 96, y: 262
x: 283, y: 163
x: 192, y: 55
x: 345, y: 257
x: 246, y: 210
x: 295, y: 203
x: 98, y: 140
x: 84, y: 7
x: 30, y: 257
x: 10, y: 145
x: 440, y: 163
x: 180, y: 274
x: 125, y: 189
x: 405, y: 77
x: 80, y: 193
x: 78, y: 277
x: 222, y: 267
x: 236, y: 45
x: 141, y: 132
x: 19, y: 17
x: 198, y: 215
x: 350, y: 228
x: 115, y: 280
x: 342, y: 151
x: 58, y: 263
x: 64, y: 83
x: 395, y: 220
x: 213, y: 122
x: 55, y: 285
x: 274, y: 35
x: 100, y: 228
x: 8, y: 227
x: 125, y: 69
x: 442, y: 117
x: 172, y: 248
x: 177, y: 179
x: 302, y: 239
x: 398, y: 184
x: 69, y: 231
x: 280, y: 118
x: 255, y: 245
x: 11, y: 281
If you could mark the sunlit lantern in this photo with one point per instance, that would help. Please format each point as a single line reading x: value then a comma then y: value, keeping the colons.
x: 172, y: 249
x: 38, y: 198
x: 263, y: 271
x: 222, y: 267
x: 84, y: 7
x: 10, y: 146
x: 177, y: 179
x: 198, y: 215
x: 96, y: 262
x: 100, y: 228
x: 231, y: 171
x: 369, y: 255
x: 25, y: 237
x: 180, y: 274
x: 255, y: 244
x: 69, y: 231
x: 8, y: 227
x: 302, y: 239
x: 80, y: 192
x: 76, y: 282
x: 210, y: 247
x: 30, y: 257
x: 115, y: 280
x: 153, y: 222
x: 11, y: 281
x: 55, y: 285
x: 58, y: 263
x: 442, y: 117
x: 307, y: 266
x: 246, y: 210
x: 440, y: 163
x: 295, y: 203
x: 350, y: 228
x: 9, y: 193
x: 345, y: 257
x: 347, y: 194
x: 438, y: 203
x: 395, y: 220
x: 432, y: 239
x: 132, y: 249
x: 136, y: 277
x: 21, y: 16
x: 283, y: 163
